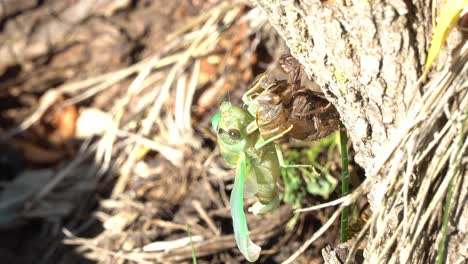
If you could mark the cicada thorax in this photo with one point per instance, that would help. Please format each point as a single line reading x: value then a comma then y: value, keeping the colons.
x: 313, y: 117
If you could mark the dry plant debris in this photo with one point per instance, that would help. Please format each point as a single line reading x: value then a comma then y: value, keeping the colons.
x: 146, y: 173
x: 124, y: 112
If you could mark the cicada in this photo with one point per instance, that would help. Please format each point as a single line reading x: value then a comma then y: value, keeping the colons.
x: 256, y: 170
x: 285, y: 108
x: 257, y: 165
x: 246, y: 139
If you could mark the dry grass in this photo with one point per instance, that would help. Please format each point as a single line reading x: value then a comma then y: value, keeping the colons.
x: 420, y: 163
x: 417, y: 169
x: 154, y: 115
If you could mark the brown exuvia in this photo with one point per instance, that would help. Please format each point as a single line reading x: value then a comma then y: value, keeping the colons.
x: 284, y: 107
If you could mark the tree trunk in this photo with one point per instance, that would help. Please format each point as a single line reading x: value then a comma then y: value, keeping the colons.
x: 363, y: 55
x: 367, y: 56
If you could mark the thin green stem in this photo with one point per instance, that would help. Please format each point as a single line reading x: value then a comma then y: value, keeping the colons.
x: 194, y: 257
x: 447, y: 208
x: 344, y: 181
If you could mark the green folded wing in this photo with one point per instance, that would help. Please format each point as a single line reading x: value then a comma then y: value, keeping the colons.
x: 241, y: 232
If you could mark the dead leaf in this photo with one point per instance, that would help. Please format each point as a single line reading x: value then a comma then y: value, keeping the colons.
x: 65, y: 125
x: 209, y: 68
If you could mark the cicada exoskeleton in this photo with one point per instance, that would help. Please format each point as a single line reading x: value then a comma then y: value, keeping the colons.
x: 283, y: 107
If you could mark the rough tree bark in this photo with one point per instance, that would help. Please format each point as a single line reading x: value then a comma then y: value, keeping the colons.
x: 367, y: 56
x: 363, y: 54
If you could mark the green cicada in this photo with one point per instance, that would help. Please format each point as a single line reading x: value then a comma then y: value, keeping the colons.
x: 257, y: 164
x: 246, y: 140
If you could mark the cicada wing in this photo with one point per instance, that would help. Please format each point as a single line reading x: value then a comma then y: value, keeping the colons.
x: 251, y: 186
x: 215, y: 121
x: 241, y: 232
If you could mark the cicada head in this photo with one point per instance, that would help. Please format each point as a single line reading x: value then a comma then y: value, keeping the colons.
x: 230, y: 126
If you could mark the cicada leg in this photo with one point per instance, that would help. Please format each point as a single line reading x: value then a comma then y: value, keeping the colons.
x: 261, y: 142
x: 249, y: 99
x: 287, y: 166
x: 252, y: 127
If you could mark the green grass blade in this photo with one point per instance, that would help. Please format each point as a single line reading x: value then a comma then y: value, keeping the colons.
x: 344, y: 181
x: 194, y: 257
x: 447, y: 208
